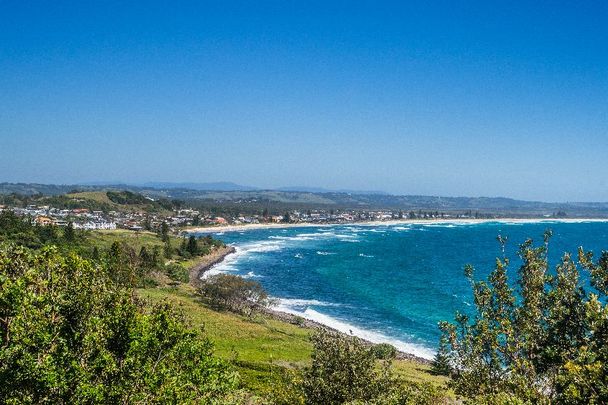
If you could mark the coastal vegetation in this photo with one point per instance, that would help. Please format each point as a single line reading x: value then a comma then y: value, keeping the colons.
x: 540, y: 339
x: 233, y: 293
x: 113, y: 316
x: 94, y: 317
x: 74, y: 332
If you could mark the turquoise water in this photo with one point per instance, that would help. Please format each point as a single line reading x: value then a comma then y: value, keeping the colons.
x: 387, y: 283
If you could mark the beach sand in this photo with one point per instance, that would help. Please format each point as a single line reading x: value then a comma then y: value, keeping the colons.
x: 245, y: 227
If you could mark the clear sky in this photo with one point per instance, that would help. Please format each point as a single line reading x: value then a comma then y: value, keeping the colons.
x: 450, y: 98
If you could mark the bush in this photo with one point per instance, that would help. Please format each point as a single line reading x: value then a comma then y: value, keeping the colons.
x: 70, y: 334
x: 384, y: 351
x: 177, y: 272
x: 343, y: 370
x: 233, y: 293
x: 544, y: 341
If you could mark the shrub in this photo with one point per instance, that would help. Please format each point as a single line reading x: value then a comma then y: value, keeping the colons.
x: 384, y: 351
x: 343, y: 370
x: 177, y: 272
x: 542, y: 341
x: 233, y: 293
x: 70, y: 334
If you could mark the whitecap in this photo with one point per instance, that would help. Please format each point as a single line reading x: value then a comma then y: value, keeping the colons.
x: 369, y: 335
x: 324, y: 253
x: 364, y: 255
x: 298, y: 302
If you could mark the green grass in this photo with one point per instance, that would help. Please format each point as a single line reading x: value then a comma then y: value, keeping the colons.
x: 259, y: 346
x: 99, y: 196
x: 103, y: 239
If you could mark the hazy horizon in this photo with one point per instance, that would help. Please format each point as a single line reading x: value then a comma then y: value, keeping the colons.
x: 430, y: 99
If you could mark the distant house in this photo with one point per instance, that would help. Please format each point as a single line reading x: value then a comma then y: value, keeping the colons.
x: 43, y: 220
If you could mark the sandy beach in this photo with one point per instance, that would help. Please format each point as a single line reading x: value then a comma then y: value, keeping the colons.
x: 455, y: 221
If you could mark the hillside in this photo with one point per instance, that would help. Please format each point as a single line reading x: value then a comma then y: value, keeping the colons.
x: 256, y: 200
x: 260, y: 346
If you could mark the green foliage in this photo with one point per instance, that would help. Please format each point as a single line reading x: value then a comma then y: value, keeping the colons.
x: 233, y: 293
x: 192, y: 246
x: 177, y: 272
x: 384, y: 351
x: 441, y: 362
x: 343, y: 370
x: 71, y: 334
x: 544, y: 340
x: 126, y: 198
x: 23, y: 231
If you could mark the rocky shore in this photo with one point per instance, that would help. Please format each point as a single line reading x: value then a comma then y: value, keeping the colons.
x: 208, y: 261
x: 217, y: 256
x: 307, y: 323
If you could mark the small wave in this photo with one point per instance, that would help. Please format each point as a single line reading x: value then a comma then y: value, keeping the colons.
x: 298, y: 255
x: 364, y: 255
x: 229, y: 263
x: 297, y: 302
x: 317, y: 235
x: 251, y: 274
x: 291, y: 238
x: 324, y: 253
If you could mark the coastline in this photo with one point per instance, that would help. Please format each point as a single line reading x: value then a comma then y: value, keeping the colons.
x: 455, y: 221
x: 208, y: 261
x: 218, y: 256
x: 295, y: 319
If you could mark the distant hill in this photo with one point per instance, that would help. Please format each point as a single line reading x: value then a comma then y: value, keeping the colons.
x: 253, y: 200
x: 325, y: 190
x: 217, y: 186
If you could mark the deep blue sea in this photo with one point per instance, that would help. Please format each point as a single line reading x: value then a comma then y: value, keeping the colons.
x: 388, y: 283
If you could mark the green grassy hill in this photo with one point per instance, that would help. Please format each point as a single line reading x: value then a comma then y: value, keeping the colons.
x: 259, y: 346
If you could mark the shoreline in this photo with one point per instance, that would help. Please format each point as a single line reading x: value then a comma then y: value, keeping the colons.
x: 455, y: 221
x: 215, y: 258
x: 196, y: 272
x: 294, y: 319
x: 310, y: 324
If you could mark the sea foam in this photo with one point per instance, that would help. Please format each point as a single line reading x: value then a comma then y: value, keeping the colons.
x: 369, y: 335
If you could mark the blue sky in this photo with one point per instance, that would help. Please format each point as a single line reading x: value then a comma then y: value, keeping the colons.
x: 443, y: 98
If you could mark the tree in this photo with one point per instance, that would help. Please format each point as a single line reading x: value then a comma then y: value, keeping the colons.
x: 70, y: 334
x: 168, y: 250
x: 192, y: 245
x: 147, y: 224
x: 68, y: 233
x: 234, y: 293
x: 183, y: 247
x: 286, y: 217
x: 540, y: 340
x: 164, y: 232
x: 343, y: 370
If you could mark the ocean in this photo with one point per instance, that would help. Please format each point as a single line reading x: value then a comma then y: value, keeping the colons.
x: 388, y: 283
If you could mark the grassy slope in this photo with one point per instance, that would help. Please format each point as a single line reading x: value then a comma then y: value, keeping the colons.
x: 257, y: 345
x: 102, y: 198
x: 99, y: 196
x: 105, y: 238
